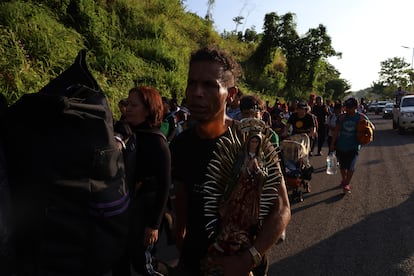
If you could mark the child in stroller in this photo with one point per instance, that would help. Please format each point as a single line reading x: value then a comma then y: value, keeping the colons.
x: 295, y: 150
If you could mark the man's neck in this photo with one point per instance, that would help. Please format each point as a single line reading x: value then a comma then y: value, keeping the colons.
x: 214, y: 128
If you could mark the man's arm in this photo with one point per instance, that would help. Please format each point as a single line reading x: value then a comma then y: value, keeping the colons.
x: 313, y: 128
x: 334, y: 137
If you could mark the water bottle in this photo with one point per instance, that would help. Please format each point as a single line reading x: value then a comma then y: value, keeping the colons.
x: 331, y: 163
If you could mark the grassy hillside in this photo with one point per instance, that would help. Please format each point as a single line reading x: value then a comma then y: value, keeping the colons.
x: 129, y: 42
x: 149, y: 42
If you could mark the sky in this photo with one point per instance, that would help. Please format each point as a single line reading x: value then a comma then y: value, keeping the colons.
x: 366, y: 32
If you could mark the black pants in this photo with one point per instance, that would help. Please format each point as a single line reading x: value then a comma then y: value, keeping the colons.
x: 135, y: 252
x: 321, y: 137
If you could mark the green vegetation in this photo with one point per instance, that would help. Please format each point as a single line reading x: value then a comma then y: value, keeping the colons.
x: 149, y: 42
x: 394, y: 72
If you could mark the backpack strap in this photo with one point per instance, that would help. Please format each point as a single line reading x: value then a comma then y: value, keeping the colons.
x: 363, y: 117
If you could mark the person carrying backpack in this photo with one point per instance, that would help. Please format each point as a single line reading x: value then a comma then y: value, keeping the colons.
x: 345, y: 142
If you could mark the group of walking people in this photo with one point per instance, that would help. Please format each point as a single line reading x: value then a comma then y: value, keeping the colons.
x: 251, y: 209
x: 224, y: 168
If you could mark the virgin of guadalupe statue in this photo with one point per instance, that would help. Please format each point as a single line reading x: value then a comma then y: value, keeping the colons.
x: 241, y: 190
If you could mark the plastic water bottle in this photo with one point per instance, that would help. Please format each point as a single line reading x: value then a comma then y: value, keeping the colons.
x: 331, y: 163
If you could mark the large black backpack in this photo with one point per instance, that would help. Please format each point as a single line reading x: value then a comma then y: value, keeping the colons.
x: 67, y: 178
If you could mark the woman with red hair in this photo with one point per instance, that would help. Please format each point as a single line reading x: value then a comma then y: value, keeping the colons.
x: 148, y: 169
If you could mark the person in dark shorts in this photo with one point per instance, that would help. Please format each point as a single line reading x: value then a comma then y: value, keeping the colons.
x: 345, y: 143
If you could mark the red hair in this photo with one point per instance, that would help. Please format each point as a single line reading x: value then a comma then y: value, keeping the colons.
x: 151, y: 99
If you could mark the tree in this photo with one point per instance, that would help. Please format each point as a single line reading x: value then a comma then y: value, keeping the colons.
x: 336, y: 89
x: 304, y: 55
x: 395, y: 72
x: 326, y: 72
x: 379, y: 90
x: 209, y: 15
x: 250, y: 35
x: 279, y: 32
x: 265, y: 70
x: 238, y: 20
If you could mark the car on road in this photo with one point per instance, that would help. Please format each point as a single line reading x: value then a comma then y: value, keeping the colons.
x: 380, y: 107
x: 387, y: 111
x: 403, y: 114
x: 372, y: 106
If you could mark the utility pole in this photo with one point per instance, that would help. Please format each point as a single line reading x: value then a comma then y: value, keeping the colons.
x: 412, y: 58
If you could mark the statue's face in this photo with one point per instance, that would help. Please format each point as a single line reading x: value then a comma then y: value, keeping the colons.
x: 253, y: 144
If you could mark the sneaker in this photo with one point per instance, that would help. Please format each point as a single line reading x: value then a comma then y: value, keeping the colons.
x: 341, y: 185
x: 319, y: 154
x: 347, y: 189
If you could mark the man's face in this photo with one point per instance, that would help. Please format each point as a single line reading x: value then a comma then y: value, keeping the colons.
x: 166, y: 107
x: 350, y: 109
x: 122, y: 108
x: 235, y: 102
x: 205, y: 94
x: 301, y: 112
x: 318, y: 101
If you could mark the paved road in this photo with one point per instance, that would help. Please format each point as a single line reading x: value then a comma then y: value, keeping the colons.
x: 368, y: 232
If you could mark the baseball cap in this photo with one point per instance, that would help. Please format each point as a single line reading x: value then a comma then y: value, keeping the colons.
x: 302, y: 105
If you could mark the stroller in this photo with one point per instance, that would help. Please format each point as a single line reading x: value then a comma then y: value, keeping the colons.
x: 295, y: 151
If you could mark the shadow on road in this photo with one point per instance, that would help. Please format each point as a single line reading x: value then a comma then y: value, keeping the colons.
x: 330, y: 200
x: 381, y: 244
x: 319, y: 169
x: 389, y: 136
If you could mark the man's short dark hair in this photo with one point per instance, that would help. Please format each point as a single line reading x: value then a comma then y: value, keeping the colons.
x: 251, y: 102
x: 227, y: 62
x: 123, y: 102
x: 351, y: 102
x: 337, y: 106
